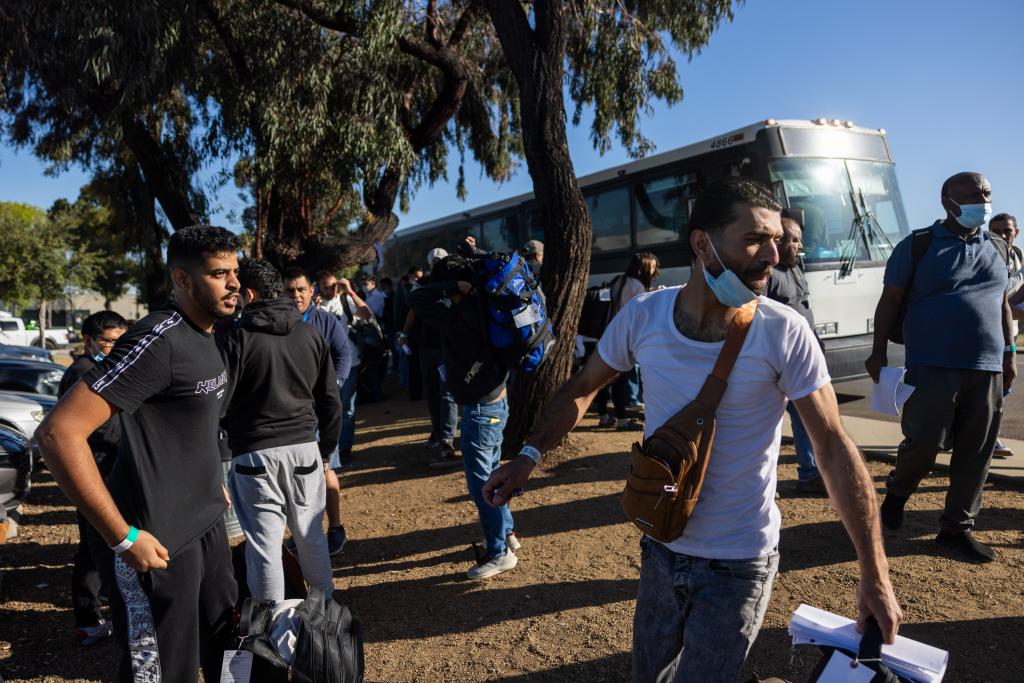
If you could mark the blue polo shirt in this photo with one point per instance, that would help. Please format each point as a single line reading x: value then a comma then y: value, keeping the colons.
x: 955, y: 305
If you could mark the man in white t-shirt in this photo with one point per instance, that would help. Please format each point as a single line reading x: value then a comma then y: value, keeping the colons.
x: 703, y: 596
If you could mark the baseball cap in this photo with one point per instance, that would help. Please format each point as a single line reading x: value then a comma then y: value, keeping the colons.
x: 435, y: 254
x: 532, y: 247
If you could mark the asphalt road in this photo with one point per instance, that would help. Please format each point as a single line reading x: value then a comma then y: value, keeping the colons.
x: 855, y: 400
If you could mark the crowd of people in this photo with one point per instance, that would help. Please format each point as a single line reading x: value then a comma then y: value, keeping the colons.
x: 273, y: 365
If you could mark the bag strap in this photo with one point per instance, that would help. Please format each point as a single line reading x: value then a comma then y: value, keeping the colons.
x: 714, y: 386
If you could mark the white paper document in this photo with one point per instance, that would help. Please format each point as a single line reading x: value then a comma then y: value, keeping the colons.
x: 236, y: 667
x: 889, y: 395
x: 842, y: 669
x: 906, y: 657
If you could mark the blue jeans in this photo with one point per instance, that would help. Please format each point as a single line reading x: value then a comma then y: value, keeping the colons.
x: 482, y: 427
x: 348, y: 410
x: 696, y: 618
x: 633, y: 383
x: 440, y: 404
x: 806, y: 466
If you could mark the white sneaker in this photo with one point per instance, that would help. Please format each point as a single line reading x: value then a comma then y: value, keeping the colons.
x: 90, y: 635
x: 512, y: 541
x: 487, y: 567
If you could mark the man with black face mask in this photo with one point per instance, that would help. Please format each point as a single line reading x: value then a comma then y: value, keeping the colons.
x: 162, y: 508
x: 100, y: 331
x: 960, y: 356
x: 789, y: 286
x: 703, y: 595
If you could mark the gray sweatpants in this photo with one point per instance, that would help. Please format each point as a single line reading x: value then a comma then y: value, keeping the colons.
x: 950, y: 408
x: 271, y: 488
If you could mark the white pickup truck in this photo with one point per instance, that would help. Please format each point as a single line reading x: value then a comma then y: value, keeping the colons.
x: 13, y: 331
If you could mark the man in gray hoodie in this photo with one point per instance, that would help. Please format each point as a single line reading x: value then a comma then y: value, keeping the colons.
x: 282, y: 387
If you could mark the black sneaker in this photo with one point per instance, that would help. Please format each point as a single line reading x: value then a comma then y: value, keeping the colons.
x: 967, y: 545
x: 448, y: 457
x: 892, y: 511
x: 336, y: 540
x: 814, y: 486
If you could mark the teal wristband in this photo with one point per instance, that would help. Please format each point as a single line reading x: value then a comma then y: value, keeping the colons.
x: 1010, y: 348
x: 127, y: 542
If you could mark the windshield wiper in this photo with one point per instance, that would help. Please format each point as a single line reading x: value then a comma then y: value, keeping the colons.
x: 865, y: 228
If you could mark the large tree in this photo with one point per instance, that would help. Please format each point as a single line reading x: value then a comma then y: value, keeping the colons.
x: 615, y: 58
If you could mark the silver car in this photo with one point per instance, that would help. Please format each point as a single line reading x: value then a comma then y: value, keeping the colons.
x: 20, y: 413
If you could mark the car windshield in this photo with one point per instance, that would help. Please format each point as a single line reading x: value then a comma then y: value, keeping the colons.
x: 852, y: 209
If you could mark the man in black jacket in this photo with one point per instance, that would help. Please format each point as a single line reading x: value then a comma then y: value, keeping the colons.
x: 90, y: 576
x: 477, y: 383
x: 283, y: 386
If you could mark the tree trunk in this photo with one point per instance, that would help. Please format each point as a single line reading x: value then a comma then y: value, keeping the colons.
x: 155, y: 288
x: 536, y: 57
x: 167, y: 180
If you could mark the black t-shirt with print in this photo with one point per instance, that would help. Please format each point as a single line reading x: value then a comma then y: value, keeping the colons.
x: 167, y: 378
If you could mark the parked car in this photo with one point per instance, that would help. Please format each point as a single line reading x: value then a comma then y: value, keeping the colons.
x: 25, y: 353
x: 14, y: 331
x: 20, y: 414
x: 16, y: 458
x: 31, y: 376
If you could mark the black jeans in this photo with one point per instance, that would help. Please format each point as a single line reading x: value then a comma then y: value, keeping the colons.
x: 180, y: 618
x: 619, y: 390
x: 91, y: 574
x: 957, y: 408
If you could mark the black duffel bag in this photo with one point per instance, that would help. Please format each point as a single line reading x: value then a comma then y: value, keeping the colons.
x: 328, y: 642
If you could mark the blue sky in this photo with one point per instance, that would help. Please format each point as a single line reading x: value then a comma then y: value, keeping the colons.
x: 942, y: 77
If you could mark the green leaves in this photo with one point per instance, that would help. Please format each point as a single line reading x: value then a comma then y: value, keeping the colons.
x: 34, y: 258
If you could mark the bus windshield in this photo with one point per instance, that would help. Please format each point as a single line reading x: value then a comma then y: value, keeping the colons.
x: 839, y: 197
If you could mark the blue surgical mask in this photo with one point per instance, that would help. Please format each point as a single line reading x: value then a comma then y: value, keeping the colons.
x: 973, y: 215
x: 99, y: 356
x: 728, y: 288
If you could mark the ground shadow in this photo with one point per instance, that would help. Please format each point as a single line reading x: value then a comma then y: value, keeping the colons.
x: 50, y: 660
x: 442, y: 605
x: 530, y: 522
x: 820, y: 544
x: 612, y: 668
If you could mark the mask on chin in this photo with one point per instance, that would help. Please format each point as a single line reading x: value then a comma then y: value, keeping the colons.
x: 728, y: 288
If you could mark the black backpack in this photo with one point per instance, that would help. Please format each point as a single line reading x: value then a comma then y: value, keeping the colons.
x: 328, y: 646
x: 920, y: 241
x: 599, y: 308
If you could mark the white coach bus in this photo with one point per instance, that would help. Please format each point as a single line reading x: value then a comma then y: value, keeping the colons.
x: 841, y: 175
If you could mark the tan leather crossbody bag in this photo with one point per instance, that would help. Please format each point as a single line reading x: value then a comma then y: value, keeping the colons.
x: 667, y: 470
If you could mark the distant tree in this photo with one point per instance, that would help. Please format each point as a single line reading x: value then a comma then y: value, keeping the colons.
x: 103, y: 256
x: 35, y: 263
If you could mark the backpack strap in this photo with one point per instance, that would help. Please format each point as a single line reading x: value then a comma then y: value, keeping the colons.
x: 920, y: 240
x: 1002, y: 247
x: 714, y: 386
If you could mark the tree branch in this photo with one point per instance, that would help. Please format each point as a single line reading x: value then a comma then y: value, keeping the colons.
x: 335, y: 22
x: 430, y: 29
x: 463, y: 23
x: 235, y: 53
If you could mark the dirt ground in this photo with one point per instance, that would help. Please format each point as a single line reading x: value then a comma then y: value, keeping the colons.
x: 565, y: 613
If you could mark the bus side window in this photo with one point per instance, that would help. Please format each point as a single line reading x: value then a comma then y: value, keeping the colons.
x: 609, y: 214
x: 663, y: 207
